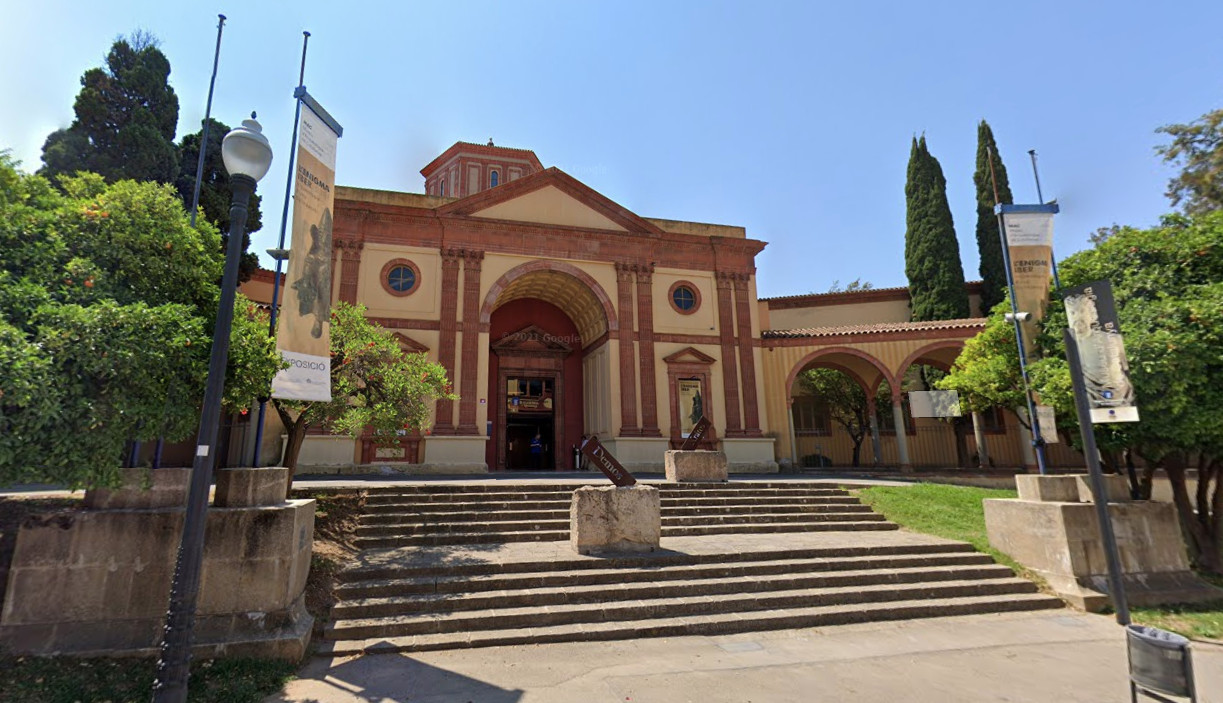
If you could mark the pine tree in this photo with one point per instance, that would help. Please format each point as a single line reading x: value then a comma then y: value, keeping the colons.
x: 992, y: 269
x: 932, y: 254
x: 126, y: 114
x: 214, y: 191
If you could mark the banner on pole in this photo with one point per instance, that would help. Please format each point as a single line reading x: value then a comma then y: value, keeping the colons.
x: 304, y: 325
x: 1029, y: 243
x: 1091, y: 314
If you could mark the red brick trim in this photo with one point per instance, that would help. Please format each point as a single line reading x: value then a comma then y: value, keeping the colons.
x: 350, y: 269
x: 859, y: 337
x: 912, y: 358
x: 472, y: 264
x: 696, y: 293
x: 830, y: 351
x: 628, y: 375
x: 396, y: 323
x: 730, y: 371
x: 747, y: 358
x: 490, y: 299
x: 390, y: 266
x: 645, y: 335
x: 408, y: 344
x: 448, y: 329
x: 563, y: 182
x: 594, y: 346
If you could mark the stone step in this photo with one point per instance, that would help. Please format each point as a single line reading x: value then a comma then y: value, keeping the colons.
x: 556, y: 535
x: 560, y: 521
x: 411, y: 583
x: 595, y: 480
x: 676, y: 606
x: 561, y: 511
x: 519, y: 494
x: 570, y: 594
x: 714, y: 624
x: 391, y: 564
x: 409, y: 518
x: 565, y: 501
x: 482, y: 524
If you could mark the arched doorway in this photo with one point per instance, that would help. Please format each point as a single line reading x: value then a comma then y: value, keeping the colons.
x: 833, y: 399
x: 545, y: 320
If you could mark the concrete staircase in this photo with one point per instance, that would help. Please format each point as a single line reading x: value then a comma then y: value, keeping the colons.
x: 482, y: 514
x: 725, y: 569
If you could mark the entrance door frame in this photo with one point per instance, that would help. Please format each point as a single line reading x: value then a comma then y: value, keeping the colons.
x: 530, y: 353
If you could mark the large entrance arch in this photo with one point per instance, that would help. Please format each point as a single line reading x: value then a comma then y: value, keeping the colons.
x: 547, y: 321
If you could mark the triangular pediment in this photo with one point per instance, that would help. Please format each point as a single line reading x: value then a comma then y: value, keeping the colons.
x: 531, y: 340
x: 688, y: 355
x: 551, y: 197
x: 409, y: 345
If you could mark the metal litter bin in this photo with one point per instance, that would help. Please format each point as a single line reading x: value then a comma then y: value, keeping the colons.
x: 1160, y: 662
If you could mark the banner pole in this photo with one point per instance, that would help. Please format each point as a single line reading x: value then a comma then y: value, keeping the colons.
x: 1038, y: 444
x: 1057, y: 282
x: 280, y: 244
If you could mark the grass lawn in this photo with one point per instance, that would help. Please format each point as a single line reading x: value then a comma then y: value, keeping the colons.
x: 69, y: 680
x: 955, y: 512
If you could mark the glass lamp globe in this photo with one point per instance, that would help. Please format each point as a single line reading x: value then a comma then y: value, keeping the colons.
x: 246, y: 151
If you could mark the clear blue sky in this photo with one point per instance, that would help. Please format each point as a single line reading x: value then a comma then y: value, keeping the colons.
x: 792, y: 119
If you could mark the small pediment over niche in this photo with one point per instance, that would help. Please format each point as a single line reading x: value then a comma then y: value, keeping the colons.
x: 531, y: 340
x: 688, y: 355
x: 408, y: 344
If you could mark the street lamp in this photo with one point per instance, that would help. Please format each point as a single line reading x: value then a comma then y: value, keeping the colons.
x: 247, y: 157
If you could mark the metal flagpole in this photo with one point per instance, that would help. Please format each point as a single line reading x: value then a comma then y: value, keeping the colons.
x: 280, y: 253
x: 199, y: 174
x: 1057, y: 282
x: 1037, y: 443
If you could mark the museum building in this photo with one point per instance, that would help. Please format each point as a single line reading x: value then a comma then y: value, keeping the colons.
x: 560, y: 313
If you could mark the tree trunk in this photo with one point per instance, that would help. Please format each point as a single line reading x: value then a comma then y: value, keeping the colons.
x: 857, y: 449
x: 1203, y: 546
x: 295, y: 428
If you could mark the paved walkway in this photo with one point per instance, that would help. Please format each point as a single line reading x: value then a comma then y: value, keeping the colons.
x: 1061, y: 656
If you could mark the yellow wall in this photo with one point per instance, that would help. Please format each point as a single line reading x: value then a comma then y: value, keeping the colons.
x: 549, y: 206
x: 424, y: 304
x: 839, y: 315
x: 667, y: 320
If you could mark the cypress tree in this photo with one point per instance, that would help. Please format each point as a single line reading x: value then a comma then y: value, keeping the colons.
x: 932, y: 253
x: 992, y: 269
x: 126, y: 114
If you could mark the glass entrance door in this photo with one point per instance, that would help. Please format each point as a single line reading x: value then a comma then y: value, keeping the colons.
x: 530, y: 428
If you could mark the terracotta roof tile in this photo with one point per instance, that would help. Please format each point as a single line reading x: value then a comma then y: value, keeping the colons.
x: 879, y: 328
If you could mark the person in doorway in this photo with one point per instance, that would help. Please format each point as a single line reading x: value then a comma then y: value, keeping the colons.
x: 537, y: 452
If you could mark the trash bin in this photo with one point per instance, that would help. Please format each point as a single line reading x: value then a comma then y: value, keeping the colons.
x: 1159, y: 661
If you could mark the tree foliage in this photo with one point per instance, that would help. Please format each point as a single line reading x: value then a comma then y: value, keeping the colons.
x: 126, y: 114
x: 107, y: 302
x: 932, y: 254
x: 989, y: 245
x: 1168, y: 286
x: 375, y: 385
x: 1197, y: 149
x: 215, y: 195
x: 847, y: 402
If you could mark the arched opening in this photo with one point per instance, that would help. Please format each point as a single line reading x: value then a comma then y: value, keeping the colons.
x: 833, y: 408
x: 933, y: 441
x: 547, y: 322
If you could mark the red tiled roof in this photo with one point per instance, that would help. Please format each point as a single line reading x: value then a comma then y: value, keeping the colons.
x: 862, y: 295
x: 878, y: 328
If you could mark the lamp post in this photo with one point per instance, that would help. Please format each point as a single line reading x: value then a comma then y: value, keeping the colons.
x: 247, y: 157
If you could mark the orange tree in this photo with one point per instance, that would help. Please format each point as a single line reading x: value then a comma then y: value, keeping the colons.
x: 374, y: 385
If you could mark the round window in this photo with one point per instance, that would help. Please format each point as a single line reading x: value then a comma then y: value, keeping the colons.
x: 400, y: 277
x: 684, y: 298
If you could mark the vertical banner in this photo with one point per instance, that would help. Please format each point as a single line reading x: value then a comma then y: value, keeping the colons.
x: 1091, y: 314
x: 1029, y: 243
x: 304, y: 325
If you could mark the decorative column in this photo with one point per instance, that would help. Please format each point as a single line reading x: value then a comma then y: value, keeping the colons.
x: 902, y: 438
x: 628, y: 375
x: 730, y: 374
x: 473, y: 261
x: 793, y: 436
x: 978, y: 433
x: 350, y: 267
x: 873, y: 413
x: 448, y: 330
x: 645, y: 344
x: 747, y: 357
